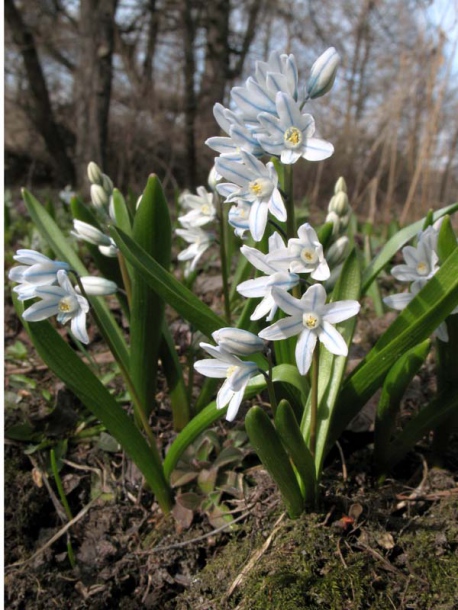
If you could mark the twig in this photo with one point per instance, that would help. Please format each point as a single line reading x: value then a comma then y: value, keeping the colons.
x: 344, y: 464
x: 59, y: 534
x: 179, y: 545
x: 255, y: 557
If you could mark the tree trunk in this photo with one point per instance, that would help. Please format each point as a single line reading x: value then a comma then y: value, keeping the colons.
x: 93, y: 83
x: 42, y: 113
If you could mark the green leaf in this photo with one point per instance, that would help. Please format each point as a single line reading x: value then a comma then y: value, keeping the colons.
x: 63, y: 361
x: 291, y: 437
x: 415, y: 324
x: 121, y: 212
x: 153, y: 233
x: 396, y: 382
x: 446, y: 240
x: 62, y: 249
x: 190, y: 307
x: 429, y: 418
x: 175, y: 382
x: 269, y: 448
x: 397, y: 242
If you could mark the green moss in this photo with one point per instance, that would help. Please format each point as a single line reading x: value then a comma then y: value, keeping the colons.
x: 311, y: 566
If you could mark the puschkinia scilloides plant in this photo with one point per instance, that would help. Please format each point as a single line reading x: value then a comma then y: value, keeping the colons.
x: 291, y: 296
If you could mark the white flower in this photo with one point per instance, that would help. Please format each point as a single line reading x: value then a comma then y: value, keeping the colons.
x: 312, y: 319
x: 201, y: 208
x: 97, y: 286
x: 62, y: 301
x: 237, y: 341
x: 304, y: 255
x: 237, y: 373
x: 323, y: 73
x: 257, y: 184
x: 263, y: 286
x: 290, y: 135
x: 421, y: 262
x: 239, y: 217
x: 199, y: 241
x: 36, y: 270
x: 241, y: 137
x: 89, y: 233
x: 258, y: 93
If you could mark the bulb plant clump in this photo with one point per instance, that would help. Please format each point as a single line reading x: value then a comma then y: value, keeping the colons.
x: 291, y: 295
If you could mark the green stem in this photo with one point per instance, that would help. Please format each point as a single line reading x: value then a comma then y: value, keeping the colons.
x: 270, y: 384
x: 289, y: 202
x: 314, y: 399
x: 125, y: 279
x: 224, y: 270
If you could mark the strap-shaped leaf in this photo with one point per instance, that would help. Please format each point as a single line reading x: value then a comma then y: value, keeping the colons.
x: 190, y: 307
x: 291, y: 437
x: 414, y: 324
x: 396, y: 242
x: 175, y: 382
x: 396, y: 382
x: 430, y: 417
x: 64, y: 362
x: 152, y: 232
x: 62, y: 249
x: 269, y: 448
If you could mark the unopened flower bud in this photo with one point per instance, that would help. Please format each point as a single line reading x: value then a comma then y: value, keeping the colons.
x: 213, y: 178
x: 98, y: 196
x: 111, y: 251
x: 237, y: 341
x: 94, y: 173
x: 339, y: 204
x: 323, y: 73
x: 337, y: 251
x: 97, y: 286
x: 335, y: 219
x: 85, y: 231
x: 341, y: 185
x: 107, y: 184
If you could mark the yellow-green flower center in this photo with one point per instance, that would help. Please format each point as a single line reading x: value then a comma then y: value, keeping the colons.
x: 309, y: 256
x: 67, y: 304
x: 231, y: 370
x: 422, y: 268
x: 261, y: 187
x: 310, y: 320
x: 293, y: 137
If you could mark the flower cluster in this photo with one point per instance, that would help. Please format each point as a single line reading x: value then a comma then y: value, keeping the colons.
x: 268, y: 120
x: 201, y: 211
x: 421, y: 263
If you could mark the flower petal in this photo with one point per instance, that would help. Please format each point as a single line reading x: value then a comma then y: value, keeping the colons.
x: 304, y: 350
x: 332, y: 339
x: 340, y: 310
x: 288, y: 327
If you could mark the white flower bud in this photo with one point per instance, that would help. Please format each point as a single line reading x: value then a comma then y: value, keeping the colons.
x: 85, y: 231
x: 237, y: 341
x: 335, y: 219
x: 337, y: 251
x: 98, y: 196
x: 339, y: 204
x: 107, y: 184
x: 341, y: 185
x: 97, y: 286
x: 94, y: 173
x: 323, y: 73
x: 111, y: 251
x: 213, y: 178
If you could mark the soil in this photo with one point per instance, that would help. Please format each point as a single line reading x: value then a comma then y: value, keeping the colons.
x: 368, y: 545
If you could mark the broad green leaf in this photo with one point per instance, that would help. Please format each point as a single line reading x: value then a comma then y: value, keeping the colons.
x: 62, y: 249
x: 446, y: 240
x: 121, y: 212
x: 267, y: 444
x: 394, y: 386
x: 190, y: 307
x: 414, y: 324
x: 152, y: 232
x: 291, y: 437
x: 64, y: 362
x: 396, y: 243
